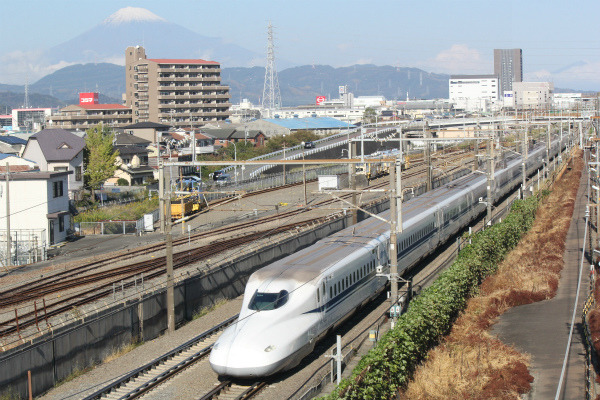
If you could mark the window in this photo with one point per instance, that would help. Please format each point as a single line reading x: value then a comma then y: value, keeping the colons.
x: 268, y: 301
x: 78, y: 174
x: 61, y: 223
x: 57, y: 189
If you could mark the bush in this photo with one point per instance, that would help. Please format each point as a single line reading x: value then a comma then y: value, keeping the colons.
x: 122, y: 182
x: 430, y: 315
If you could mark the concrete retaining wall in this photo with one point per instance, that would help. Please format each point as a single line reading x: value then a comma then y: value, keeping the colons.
x: 57, y: 355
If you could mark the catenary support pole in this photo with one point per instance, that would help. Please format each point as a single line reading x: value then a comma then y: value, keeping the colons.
x: 169, y: 261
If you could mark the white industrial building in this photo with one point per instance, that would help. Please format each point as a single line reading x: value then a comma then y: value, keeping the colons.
x: 533, y: 95
x: 474, y: 92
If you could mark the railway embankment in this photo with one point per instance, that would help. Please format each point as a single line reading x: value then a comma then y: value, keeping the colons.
x: 471, y: 367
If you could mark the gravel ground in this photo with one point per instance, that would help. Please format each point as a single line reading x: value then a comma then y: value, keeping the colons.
x: 107, y: 372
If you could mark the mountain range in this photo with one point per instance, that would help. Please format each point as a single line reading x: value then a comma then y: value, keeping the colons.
x: 298, y: 85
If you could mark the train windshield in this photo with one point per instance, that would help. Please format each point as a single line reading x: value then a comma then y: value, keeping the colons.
x: 262, y: 301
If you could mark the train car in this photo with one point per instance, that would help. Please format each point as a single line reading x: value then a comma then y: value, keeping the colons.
x: 293, y: 302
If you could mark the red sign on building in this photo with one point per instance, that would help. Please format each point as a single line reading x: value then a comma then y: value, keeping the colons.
x: 88, y: 98
x: 320, y: 99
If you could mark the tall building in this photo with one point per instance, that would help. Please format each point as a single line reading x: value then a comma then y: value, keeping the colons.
x: 508, y: 66
x: 180, y: 93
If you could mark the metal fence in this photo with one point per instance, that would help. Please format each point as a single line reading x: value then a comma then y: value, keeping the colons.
x: 27, y: 245
x: 106, y: 228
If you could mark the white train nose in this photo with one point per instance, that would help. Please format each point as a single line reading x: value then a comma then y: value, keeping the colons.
x: 242, y: 361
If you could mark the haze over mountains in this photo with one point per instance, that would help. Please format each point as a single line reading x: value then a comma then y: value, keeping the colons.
x: 93, y: 61
x: 299, y: 85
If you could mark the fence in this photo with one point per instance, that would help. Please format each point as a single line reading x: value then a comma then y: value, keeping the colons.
x: 27, y: 245
x: 120, y: 227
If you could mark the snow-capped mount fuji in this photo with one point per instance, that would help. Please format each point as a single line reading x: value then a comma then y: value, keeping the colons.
x: 132, y: 14
x: 130, y: 26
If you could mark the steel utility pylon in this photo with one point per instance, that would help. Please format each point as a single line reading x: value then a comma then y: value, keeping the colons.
x: 271, y: 98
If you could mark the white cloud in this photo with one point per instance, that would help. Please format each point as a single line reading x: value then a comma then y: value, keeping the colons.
x: 581, y: 76
x: 458, y: 59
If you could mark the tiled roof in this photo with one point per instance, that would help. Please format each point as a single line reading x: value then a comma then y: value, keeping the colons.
x: 58, y: 144
x: 126, y: 139
x: 12, y: 140
x: 146, y: 125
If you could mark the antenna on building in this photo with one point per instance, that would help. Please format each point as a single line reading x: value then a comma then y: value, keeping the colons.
x: 26, y: 102
x: 271, y: 94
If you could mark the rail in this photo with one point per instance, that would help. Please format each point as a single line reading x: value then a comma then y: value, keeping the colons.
x: 160, y: 360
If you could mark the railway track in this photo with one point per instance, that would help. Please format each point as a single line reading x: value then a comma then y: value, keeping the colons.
x: 229, y: 390
x: 103, y: 281
x: 145, y: 378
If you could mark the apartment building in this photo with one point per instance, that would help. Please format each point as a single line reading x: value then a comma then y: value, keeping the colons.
x: 85, y: 116
x: 176, y: 92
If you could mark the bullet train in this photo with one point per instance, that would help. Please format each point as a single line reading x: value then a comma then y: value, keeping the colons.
x: 290, y: 304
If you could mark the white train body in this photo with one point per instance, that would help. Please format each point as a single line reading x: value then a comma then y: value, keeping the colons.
x: 291, y: 303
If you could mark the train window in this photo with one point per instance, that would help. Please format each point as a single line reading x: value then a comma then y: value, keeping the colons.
x: 323, y: 290
x: 331, y: 292
x: 347, y: 282
x: 355, y: 276
x: 318, y: 296
x: 339, y: 287
x: 263, y: 301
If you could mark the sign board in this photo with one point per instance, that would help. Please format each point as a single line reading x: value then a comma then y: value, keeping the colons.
x: 148, y: 223
x: 329, y: 182
x: 320, y: 99
x: 342, y: 90
x: 88, y: 98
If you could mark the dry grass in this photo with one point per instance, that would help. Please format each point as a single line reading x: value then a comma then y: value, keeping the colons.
x: 121, y: 351
x: 471, y: 363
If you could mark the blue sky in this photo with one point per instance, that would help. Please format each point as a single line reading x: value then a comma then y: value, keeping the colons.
x: 560, y: 39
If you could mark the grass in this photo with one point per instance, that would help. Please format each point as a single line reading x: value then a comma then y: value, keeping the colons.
x: 473, y: 364
x: 205, y: 310
x: 122, y: 351
x: 131, y: 211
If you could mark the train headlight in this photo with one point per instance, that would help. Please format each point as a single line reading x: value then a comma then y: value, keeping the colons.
x: 215, y: 346
x: 270, y: 348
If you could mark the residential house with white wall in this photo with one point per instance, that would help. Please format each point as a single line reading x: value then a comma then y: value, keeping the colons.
x: 58, y: 150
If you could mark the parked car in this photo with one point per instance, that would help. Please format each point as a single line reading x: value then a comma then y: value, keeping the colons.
x: 309, y: 145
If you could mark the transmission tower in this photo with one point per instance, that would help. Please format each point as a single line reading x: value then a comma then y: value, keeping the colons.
x: 271, y: 98
x: 26, y: 101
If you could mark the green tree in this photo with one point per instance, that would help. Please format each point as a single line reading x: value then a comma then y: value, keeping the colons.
x: 101, y: 156
x: 369, y: 116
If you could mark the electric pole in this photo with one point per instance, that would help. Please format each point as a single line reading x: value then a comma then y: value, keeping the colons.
x: 161, y: 195
x: 490, y: 177
x: 169, y: 262
x: 351, y: 153
x: 8, y: 241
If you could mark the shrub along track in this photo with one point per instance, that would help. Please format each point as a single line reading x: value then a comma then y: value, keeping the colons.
x: 471, y: 363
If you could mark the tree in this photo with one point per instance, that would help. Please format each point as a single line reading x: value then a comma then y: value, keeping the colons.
x: 101, y: 157
x: 369, y: 116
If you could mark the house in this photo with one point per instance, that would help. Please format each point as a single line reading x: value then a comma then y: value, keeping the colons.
x: 15, y: 143
x: 132, y: 160
x: 16, y: 163
x: 39, y: 210
x: 58, y: 150
x: 223, y: 136
x: 151, y: 131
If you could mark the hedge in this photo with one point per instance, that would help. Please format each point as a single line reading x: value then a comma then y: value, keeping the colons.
x: 390, y: 365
